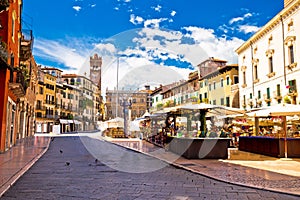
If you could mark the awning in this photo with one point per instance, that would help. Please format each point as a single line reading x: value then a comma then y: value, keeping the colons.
x: 77, y: 122
x: 70, y: 121
x: 63, y: 121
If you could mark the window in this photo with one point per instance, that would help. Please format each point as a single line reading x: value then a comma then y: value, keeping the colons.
x: 205, y: 95
x: 200, y: 97
x: 236, y: 79
x: 291, y: 54
x: 214, y: 85
x: 13, y: 27
x: 278, y: 90
x: 72, y: 81
x: 228, y: 101
x: 250, y: 95
x: 244, y: 78
x: 255, y: 72
x: 259, y: 94
x: 201, y: 84
x: 222, y: 101
x: 209, y: 87
x: 271, y: 64
x: 222, y: 82
x: 214, y: 102
x: 41, y: 90
x: 227, y: 80
x: 268, y: 93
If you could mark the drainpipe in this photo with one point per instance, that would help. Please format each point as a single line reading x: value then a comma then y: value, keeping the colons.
x: 283, y: 52
x: 252, y: 70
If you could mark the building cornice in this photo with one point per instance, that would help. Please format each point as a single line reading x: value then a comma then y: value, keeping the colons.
x: 286, y: 12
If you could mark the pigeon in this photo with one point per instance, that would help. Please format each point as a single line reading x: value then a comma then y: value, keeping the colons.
x: 67, y: 163
x: 60, y: 151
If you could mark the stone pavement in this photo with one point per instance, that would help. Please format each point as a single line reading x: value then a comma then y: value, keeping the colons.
x: 68, y: 170
x: 241, y: 169
x: 15, y: 162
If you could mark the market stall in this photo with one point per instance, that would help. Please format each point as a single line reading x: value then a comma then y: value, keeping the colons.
x: 272, y: 135
x: 188, y: 132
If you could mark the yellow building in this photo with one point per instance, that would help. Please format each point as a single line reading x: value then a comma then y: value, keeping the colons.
x: 45, y: 106
x: 223, y: 86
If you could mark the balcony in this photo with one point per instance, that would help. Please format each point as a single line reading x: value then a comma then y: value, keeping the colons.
x: 293, y: 91
x: 19, y: 84
x: 292, y: 66
x: 4, y: 4
x: 267, y: 98
x: 270, y: 75
x: 49, y: 102
x: 250, y: 102
x: 26, y: 45
x: 256, y: 80
x: 39, y: 107
x: 277, y: 95
x: 3, y: 53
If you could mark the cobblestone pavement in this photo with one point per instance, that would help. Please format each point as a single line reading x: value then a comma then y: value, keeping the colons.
x: 250, y: 169
x: 68, y: 171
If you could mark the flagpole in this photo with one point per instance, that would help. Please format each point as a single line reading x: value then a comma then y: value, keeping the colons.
x: 117, y: 96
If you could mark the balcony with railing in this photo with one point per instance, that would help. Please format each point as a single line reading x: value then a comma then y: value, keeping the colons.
x: 19, y: 83
x: 277, y: 95
x: 293, y: 91
x: 26, y: 45
x: 267, y: 98
x: 39, y: 107
x: 3, y: 53
x: 49, y: 102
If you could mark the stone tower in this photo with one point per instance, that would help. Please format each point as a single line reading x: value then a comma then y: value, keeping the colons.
x: 95, y: 69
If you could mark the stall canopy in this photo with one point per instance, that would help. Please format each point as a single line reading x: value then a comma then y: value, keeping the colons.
x: 276, y: 110
x: 116, y: 122
x: 63, y: 121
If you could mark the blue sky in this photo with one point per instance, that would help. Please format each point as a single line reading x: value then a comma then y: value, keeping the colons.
x: 68, y: 31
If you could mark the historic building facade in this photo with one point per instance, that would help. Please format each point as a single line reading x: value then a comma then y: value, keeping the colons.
x: 131, y: 103
x: 17, y: 74
x: 268, y: 61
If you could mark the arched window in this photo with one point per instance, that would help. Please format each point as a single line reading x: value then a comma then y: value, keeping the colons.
x: 72, y: 81
x: 78, y: 81
x: 67, y: 81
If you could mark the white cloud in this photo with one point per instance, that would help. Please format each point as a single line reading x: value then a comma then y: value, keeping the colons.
x: 173, y: 13
x: 214, y: 46
x: 153, y: 23
x: 236, y: 19
x: 248, y: 28
x: 136, y: 19
x: 56, y: 51
x: 157, y: 8
x: 77, y: 8
x: 93, y: 5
